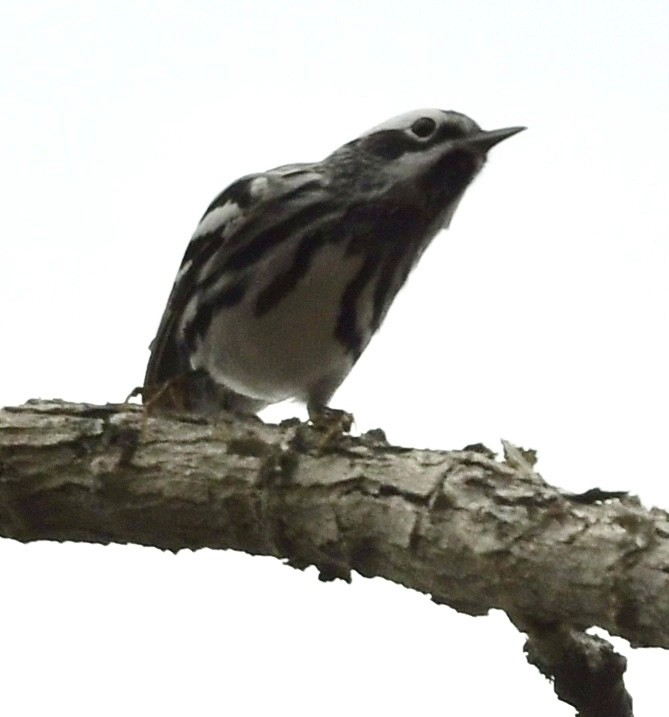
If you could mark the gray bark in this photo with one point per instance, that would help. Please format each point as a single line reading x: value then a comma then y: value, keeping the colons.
x: 473, y: 531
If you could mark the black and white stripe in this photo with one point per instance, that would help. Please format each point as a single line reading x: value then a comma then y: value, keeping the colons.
x: 290, y: 272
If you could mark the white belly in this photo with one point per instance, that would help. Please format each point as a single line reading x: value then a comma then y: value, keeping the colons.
x: 291, y: 348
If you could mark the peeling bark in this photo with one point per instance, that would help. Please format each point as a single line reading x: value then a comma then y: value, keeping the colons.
x: 472, y: 531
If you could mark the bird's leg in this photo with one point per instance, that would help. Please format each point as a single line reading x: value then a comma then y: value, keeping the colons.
x: 330, y: 421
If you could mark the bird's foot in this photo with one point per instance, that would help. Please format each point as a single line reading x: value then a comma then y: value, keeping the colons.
x: 332, y: 423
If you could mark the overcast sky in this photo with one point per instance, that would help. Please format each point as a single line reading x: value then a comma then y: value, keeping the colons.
x: 541, y: 317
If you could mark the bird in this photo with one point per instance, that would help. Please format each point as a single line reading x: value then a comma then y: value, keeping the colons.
x: 291, y: 271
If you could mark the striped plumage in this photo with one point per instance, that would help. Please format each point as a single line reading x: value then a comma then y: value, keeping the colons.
x: 291, y: 271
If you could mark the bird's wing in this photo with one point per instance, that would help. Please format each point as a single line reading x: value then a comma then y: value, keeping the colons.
x: 225, y: 234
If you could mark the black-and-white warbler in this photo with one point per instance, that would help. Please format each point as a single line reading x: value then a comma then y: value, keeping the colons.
x: 291, y: 271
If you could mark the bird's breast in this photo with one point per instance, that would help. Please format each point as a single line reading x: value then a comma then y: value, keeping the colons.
x: 282, y: 350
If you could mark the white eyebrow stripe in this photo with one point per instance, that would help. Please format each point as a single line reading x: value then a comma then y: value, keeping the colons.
x: 405, y: 120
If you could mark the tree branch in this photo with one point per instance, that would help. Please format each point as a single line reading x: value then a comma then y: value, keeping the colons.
x: 473, y: 532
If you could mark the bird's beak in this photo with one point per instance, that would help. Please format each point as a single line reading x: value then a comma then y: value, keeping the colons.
x: 485, y: 140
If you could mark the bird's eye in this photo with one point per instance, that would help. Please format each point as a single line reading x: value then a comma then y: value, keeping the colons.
x: 423, y: 127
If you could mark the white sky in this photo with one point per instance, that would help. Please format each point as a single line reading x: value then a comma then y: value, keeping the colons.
x: 540, y: 317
